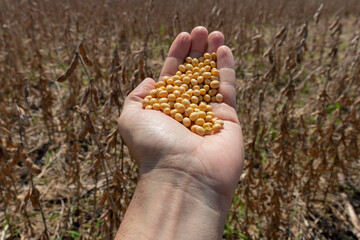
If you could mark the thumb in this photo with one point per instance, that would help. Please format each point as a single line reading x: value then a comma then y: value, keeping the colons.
x: 140, y: 92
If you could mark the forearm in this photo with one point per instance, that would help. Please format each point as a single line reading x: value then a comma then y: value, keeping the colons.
x: 172, y: 204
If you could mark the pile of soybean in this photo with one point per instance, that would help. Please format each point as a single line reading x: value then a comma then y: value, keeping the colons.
x: 186, y: 96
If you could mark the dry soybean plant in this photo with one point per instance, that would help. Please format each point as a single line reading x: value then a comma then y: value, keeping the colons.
x: 67, y: 67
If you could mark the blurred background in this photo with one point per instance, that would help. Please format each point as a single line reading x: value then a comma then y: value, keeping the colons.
x: 65, y: 173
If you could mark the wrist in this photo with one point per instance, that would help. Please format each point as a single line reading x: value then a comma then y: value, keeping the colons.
x: 170, y: 203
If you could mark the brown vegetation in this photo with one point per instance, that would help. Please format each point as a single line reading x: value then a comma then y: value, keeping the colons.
x: 65, y: 172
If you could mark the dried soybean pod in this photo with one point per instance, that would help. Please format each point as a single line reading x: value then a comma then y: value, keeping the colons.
x: 84, y: 55
x: 85, y: 97
x: 95, y: 97
x: 70, y: 69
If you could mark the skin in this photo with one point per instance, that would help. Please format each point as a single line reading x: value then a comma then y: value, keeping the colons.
x: 186, y: 181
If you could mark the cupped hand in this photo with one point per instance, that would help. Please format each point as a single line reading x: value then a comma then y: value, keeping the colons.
x: 158, y: 141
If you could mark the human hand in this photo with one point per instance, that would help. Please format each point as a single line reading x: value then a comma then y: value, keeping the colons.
x: 168, y: 152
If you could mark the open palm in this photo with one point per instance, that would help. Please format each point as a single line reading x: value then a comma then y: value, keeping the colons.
x: 158, y: 141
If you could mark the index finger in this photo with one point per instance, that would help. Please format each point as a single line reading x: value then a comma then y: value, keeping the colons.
x: 177, y: 53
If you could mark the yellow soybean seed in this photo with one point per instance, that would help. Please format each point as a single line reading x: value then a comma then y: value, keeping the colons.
x: 212, y: 92
x: 171, y: 104
x: 186, y: 103
x: 214, y: 78
x: 178, y: 83
x: 145, y: 102
x: 206, y: 87
x: 185, y: 96
x: 200, y: 131
x: 211, y: 114
x: 187, y: 122
x: 201, y: 98
x: 148, y: 107
x: 190, y: 92
x: 202, y: 114
x: 200, y: 79
x: 201, y: 59
x: 193, y: 128
x: 202, y: 106
x: 215, y: 72
x: 213, y: 99
x: 178, y: 73
x: 201, y: 65
x: 202, y: 91
x: 208, y: 130
x: 193, y: 116
x: 186, y: 80
x: 207, y: 125
x: 169, y: 88
x: 170, y: 81
x: 207, y: 98
x: 156, y: 106
x: 163, y: 100
x: 221, y: 122
x: 196, y: 87
x: 216, y: 127
x: 208, y: 118
x: 148, y: 97
x: 178, y: 117
x: 182, y: 68
x: 176, y: 77
x: 171, y: 97
x: 188, y: 66
x: 177, y: 93
x: 195, y: 62
x: 207, y: 62
x: 219, y: 98
x: 196, y: 93
x: 173, y: 112
x: 179, y: 99
x: 215, y: 84
x: 182, y: 89
x: 207, y: 68
x: 196, y: 75
x: 202, y: 70
x: 193, y: 105
x: 153, y: 93
x: 163, y: 94
x: 189, y: 59
x: 213, y: 64
x: 194, y: 82
x: 207, y: 81
x: 194, y: 99
x: 213, y: 56
x: 207, y: 55
x: 153, y: 101
x: 164, y: 105
x: 200, y: 121
x: 208, y: 108
x: 181, y: 108
x: 160, y: 84
x: 188, y: 111
x: 166, y: 111
x: 185, y: 86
